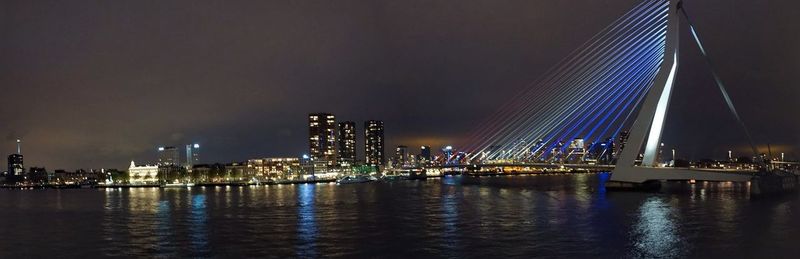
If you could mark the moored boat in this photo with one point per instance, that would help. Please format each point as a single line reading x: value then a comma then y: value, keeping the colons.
x: 354, y: 179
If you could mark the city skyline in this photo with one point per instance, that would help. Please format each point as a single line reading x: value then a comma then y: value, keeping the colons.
x: 79, y: 101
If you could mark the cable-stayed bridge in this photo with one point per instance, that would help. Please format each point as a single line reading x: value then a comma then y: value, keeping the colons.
x: 622, y: 78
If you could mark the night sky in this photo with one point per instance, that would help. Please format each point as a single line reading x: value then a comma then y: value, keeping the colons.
x: 90, y: 84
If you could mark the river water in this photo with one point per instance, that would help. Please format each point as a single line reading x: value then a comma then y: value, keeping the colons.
x: 513, y: 216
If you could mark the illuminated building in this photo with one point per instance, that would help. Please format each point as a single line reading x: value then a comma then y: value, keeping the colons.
x: 144, y: 174
x: 448, y: 154
x: 275, y: 167
x: 400, y: 156
x: 374, y: 143
x: 169, y: 156
x: 425, y: 154
x: 322, y: 137
x: 192, y: 155
x: 16, y: 167
x: 347, y: 143
x: 576, y: 151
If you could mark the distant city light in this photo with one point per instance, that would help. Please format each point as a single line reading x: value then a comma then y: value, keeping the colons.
x: 305, y: 156
x: 449, y: 148
x: 160, y: 148
x: 196, y: 145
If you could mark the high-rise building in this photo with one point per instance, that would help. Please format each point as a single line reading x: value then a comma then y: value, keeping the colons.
x: 373, y: 143
x: 169, y: 156
x: 400, y: 156
x: 322, y: 137
x: 425, y: 153
x: 192, y: 155
x: 447, y: 152
x: 16, y: 167
x: 347, y: 143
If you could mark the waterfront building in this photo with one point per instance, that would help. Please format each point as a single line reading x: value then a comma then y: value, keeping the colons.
x: 144, y: 174
x: 347, y: 143
x: 172, y: 173
x: 169, y: 156
x: 322, y: 137
x: 275, y: 167
x: 208, y: 173
x: 238, y: 171
x: 374, y: 143
x: 38, y: 175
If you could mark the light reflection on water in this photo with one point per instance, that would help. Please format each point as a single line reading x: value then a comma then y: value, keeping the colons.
x: 198, y: 224
x: 525, y: 216
x: 655, y: 234
x: 307, y: 224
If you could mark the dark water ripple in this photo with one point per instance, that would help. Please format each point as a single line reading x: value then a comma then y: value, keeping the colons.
x: 522, y: 216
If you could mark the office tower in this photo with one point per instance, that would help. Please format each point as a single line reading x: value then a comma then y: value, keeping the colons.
x: 322, y: 137
x: 169, y: 156
x: 192, y: 155
x: 347, y: 143
x: 373, y: 143
x: 448, y: 154
x: 400, y: 156
x: 425, y: 153
x: 16, y: 167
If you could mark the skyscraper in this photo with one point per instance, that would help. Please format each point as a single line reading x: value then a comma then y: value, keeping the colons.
x: 425, y: 153
x: 347, y: 142
x: 192, y: 155
x: 373, y: 143
x: 169, y: 156
x: 16, y: 167
x: 400, y: 156
x: 322, y: 137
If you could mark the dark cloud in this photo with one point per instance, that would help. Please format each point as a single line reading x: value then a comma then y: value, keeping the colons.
x: 97, y: 83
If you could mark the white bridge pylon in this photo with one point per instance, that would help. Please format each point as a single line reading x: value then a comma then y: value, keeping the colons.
x: 648, y: 126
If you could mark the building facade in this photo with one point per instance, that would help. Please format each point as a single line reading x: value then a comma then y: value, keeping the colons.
x: 424, y: 154
x: 322, y: 137
x: 168, y: 156
x: 347, y: 143
x: 275, y: 167
x: 144, y: 174
x: 16, y: 167
x: 374, y: 143
x: 400, y: 156
x: 192, y: 155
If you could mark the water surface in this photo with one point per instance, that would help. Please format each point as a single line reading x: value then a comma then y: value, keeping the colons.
x: 518, y: 216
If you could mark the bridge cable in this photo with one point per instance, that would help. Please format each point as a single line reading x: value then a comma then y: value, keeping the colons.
x: 722, y: 89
